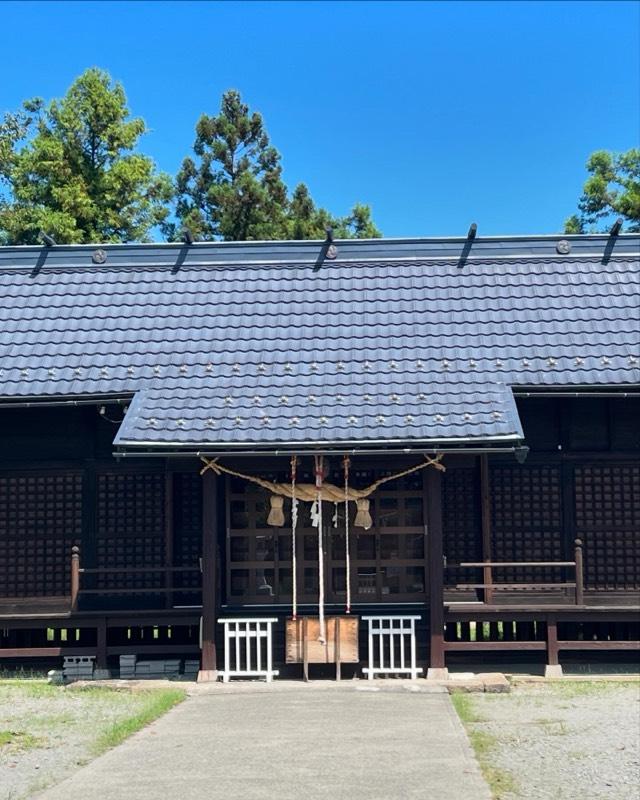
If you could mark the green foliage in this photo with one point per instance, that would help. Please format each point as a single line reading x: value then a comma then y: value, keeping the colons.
x: 612, y: 189
x: 305, y: 221
x: 70, y: 169
x: 232, y: 188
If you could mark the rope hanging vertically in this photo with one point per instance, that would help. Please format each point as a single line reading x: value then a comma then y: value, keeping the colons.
x: 294, y: 525
x: 346, y: 462
x: 319, y: 462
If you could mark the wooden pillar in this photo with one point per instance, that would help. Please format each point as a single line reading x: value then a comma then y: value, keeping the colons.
x: 433, y: 496
x: 101, y: 648
x: 553, y: 668
x: 485, y: 505
x: 208, y: 669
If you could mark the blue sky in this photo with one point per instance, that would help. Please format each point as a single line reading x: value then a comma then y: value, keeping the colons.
x: 437, y: 114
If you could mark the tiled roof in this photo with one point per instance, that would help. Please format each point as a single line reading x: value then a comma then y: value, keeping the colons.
x: 251, y: 344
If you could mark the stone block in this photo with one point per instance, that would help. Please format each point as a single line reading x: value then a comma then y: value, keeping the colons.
x: 437, y: 674
x: 473, y: 685
x: 101, y: 674
x: 494, y: 682
x: 207, y: 675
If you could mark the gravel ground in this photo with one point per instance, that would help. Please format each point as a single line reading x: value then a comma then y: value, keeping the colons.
x: 563, y: 740
x: 52, y: 730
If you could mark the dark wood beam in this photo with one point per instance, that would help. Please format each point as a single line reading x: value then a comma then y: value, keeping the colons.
x: 208, y: 670
x: 433, y: 499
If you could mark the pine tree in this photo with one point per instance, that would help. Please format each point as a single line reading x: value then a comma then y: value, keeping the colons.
x: 306, y: 221
x: 232, y: 188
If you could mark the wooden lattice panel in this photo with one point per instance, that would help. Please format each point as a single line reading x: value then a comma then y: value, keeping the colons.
x: 40, y: 520
x: 461, y: 521
x: 387, y: 561
x: 130, y: 527
x: 607, y: 516
x: 526, y: 514
x: 187, y: 515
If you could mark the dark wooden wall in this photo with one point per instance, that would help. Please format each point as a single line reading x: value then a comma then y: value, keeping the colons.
x: 580, y: 480
x: 60, y: 485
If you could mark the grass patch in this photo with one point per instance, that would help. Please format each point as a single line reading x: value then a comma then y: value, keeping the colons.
x: 555, y: 728
x: 569, y: 689
x: 33, y: 687
x: 78, y: 723
x: 501, y: 782
x: 158, y: 703
x: 19, y: 741
x: 22, y: 674
x: 463, y: 704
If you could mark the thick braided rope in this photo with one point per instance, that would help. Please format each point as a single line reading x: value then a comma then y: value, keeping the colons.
x: 309, y: 492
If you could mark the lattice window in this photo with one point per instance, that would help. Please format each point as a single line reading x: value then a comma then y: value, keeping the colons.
x: 258, y: 557
x: 187, y: 507
x: 130, y: 527
x: 388, y: 561
x: 526, y: 513
x: 608, y: 521
x: 461, y: 521
x: 40, y: 520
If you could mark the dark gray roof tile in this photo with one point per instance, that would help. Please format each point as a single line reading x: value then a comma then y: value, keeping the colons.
x: 418, y: 349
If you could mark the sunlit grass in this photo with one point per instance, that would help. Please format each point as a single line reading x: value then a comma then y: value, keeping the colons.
x: 157, y: 703
x: 80, y: 722
x: 501, y: 782
x: 19, y: 741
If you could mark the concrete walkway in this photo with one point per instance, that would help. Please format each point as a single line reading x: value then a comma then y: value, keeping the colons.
x: 295, y: 742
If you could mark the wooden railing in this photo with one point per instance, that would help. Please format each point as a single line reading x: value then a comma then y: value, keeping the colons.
x: 77, y: 571
x: 489, y: 585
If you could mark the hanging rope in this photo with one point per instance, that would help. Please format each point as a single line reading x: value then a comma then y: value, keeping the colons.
x: 346, y: 461
x: 294, y: 525
x: 319, y: 477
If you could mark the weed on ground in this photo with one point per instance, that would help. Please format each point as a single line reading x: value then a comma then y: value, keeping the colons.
x: 560, y: 740
x: 47, y: 731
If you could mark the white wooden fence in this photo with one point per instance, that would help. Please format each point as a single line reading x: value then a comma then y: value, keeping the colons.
x: 248, y: 648
x: 392, y: 646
